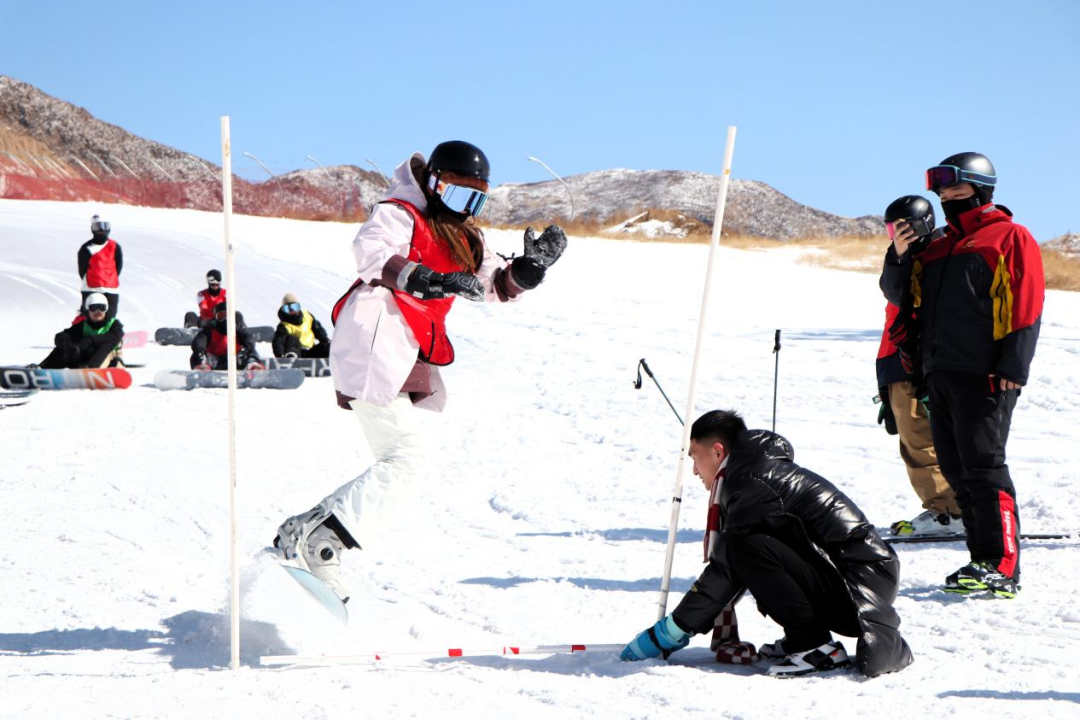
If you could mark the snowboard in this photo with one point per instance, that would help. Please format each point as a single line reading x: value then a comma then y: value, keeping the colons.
x: 21, y: 378
x: 318, y: 590
x: 135, y: 339
x: 184, y: 336
x: 312, y: 367
x: 909, y: 539
x: 12, y: 398
x: 288, y: 379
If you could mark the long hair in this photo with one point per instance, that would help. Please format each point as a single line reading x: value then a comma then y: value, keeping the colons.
x: 464, y: 239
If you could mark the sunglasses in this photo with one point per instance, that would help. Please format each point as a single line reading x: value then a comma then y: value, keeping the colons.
x: 943, y: 176
x: 98, y: 308
x: 459, y: 198
x: 291, y: 308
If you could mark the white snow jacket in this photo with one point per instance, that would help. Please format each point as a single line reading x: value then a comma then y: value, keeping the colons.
x: 373, y: 349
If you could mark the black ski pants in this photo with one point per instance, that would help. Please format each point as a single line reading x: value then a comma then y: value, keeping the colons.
x: 797, y: 590
x: 970, y: 419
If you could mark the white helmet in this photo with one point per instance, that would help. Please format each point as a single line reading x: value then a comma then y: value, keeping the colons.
x: 96, y: 299
x: 98, y: 225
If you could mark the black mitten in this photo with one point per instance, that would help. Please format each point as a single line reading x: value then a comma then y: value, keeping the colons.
x: 427, y: 284
x: 547, y: 248
x: 527, y: 272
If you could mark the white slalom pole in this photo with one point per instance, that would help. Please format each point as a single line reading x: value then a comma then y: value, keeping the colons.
x: 714, y: 243
x: 230, y: 281
x: 378, y: 656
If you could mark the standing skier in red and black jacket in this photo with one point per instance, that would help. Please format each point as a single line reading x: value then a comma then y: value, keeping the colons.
x: 979, y: 290
x: 100, y: 262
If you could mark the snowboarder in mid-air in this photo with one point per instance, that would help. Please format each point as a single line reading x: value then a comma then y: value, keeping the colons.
x: 418, y: 252
x: 209, y: 349
x: 100, y: 262
x: 299, y: 334
x: 93, y: 341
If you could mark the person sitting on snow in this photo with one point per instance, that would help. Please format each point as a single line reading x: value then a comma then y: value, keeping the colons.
x: 299, y: 334
x: 209, y: 349
x: 207, y: 299
x: 93, y: 341
x: 809, y: 556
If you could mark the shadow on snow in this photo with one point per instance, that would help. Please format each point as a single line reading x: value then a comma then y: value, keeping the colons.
x: 191, y: 640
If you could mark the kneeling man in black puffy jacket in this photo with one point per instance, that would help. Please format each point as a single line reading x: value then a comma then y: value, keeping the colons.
x: 809, y: 556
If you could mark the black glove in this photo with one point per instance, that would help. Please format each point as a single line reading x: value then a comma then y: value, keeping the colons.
x: 527, y: 272
x: 902, y: 329
x: 547, y: 248
x: 427, y: 284
x: 86, y: 345
x: 885, y: 413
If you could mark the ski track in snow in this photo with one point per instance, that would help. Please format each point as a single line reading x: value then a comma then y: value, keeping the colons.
x: 544, y: 520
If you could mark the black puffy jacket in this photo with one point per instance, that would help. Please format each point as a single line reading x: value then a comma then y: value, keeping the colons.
x: 764, y: 491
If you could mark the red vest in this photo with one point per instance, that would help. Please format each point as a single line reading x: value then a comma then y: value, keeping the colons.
x: 219, y: 343
x: 426, y: 318
x: 208, y: 302
x: 101, y: 272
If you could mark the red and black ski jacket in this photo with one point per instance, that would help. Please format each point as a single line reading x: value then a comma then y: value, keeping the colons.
x: 979, y: 290
x: 100, y: 264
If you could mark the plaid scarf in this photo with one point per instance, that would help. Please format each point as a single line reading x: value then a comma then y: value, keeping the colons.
x: 725, y: 636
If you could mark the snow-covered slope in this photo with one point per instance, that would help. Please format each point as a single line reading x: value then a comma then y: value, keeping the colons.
x: 543, y: 521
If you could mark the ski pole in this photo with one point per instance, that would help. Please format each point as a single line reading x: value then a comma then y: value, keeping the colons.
x: 637, y: 385
x: 432, y: 654
x: 776, y: 376
x: 684, y: 445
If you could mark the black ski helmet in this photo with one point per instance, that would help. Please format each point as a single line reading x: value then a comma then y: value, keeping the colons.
x: 975, y: 169
x: 915, y: 210
x: 461, y: 158
x: 213, y: 276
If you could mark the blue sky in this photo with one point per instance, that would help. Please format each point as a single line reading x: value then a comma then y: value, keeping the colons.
x: 839, y: 105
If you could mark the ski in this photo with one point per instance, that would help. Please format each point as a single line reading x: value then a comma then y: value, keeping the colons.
x: 312, y: 367
x: 909, y: 540
x: 288, y: 379
x: 184, y: 336
x: 22, y: 378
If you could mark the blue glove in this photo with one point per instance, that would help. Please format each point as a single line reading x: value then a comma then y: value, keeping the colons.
x: 665, y: 637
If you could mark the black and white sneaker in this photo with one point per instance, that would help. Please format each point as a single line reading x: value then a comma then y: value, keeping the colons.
x: 774, y: 650
x: 826, y: 657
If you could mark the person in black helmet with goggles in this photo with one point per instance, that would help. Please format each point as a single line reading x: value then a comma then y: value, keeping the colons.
x: 978, y: 291
x: 418, y: 252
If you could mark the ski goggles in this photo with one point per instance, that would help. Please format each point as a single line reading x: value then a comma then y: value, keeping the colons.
x: 943, y: 176
x: 97, y: 307
x: 459, y: 198
x: 291, y: 308
x: 100, y: 226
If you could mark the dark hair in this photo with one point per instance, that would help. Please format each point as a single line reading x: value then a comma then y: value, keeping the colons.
x: 724, y: 426
x: 464, y: 239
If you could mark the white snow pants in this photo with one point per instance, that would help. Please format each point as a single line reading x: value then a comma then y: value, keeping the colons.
x: 367, y: 504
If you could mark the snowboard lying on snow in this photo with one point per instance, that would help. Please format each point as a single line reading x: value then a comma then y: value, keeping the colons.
x: 909, y: 539
x: 288, y: 379
x: 184, y: 336
x: 312, y: 367
x: 22, y: 378
x: 12, y: 398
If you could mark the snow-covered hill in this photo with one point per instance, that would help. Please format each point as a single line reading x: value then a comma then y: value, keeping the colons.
x: 543, y: 522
